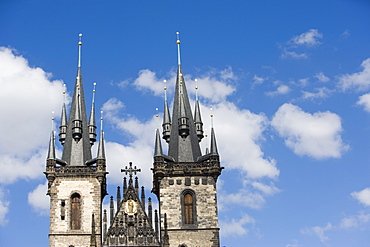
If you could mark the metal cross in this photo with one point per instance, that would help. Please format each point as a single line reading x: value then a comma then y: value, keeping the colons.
x: 130, y: 170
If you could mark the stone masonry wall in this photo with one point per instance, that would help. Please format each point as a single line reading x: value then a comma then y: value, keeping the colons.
x: 203, y: 232
x: 90, y: 192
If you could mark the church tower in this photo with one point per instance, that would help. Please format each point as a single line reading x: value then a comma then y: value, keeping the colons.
x: 76, y: 182
x: 185, y: 179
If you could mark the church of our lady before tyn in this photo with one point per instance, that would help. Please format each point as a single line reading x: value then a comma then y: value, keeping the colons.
x: 184, y: 182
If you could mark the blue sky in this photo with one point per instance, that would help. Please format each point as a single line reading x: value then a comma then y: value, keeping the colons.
x: 288, y: 83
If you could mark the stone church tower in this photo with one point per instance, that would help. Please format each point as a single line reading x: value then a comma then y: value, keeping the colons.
x: 185, y: 179
x: 77, y: 182
x: 184, y: 182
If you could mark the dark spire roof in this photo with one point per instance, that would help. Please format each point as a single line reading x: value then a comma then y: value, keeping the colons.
x: 77, y: 148
x: 166, y: 119
x: 198, y: 121
x: 92, y: 123
x: 183, y: 144
x: 214, y: 150
x: 101, y: 149
x: 63, y: 124
x: 158, y: 144
x: 51, y: 153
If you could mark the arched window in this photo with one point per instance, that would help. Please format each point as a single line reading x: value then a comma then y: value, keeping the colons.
x: 75, y: 211
x: 188, y: 202
x: 188, y: 209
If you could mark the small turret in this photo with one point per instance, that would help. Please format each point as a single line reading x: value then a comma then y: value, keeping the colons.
x: 143, y: 196
x: 150, y: 211
x: 63, y: 124
x: 118, y: 197
x: 111, y: 207
x: 158, y: 145
x: 166, y: 119
x: 51, y: 153
x: 198, y: 122
x: 92, y: 125
x: 183, y: 120
x: 101, y: 148
x: 77, y: 123
x: 93, y: 236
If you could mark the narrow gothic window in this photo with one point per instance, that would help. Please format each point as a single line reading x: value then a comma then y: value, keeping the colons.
x: 76, y: 212
x: 188, y: 209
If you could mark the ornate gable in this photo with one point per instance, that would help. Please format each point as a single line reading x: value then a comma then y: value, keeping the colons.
x: 131, y: 225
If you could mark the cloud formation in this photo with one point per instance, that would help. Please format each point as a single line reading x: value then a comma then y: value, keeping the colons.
x: 316, y: 135
x: 359, y: 81
x: 214, y: 86
x: 28, y: 96
x: 362, y: 196
x: 309, y: 38
x: 38, y: 199
x: 236, y: 227
x: 364, y: 101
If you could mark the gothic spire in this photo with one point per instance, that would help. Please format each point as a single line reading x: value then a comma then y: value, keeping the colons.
x: 183, y: 144
x: 63, y: 124
x: 198, y: 120
x: 93, y: 235
x: 166, y: 119
x: 213, y: 143
x: 77, y: 148
x: 158, y: 144
x: 92, y: 124
x: 213, y: 150
x: 51, y: 153
x: 101, y: 149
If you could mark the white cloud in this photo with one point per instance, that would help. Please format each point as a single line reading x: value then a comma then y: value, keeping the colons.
x: 246, y: 134
x: 346, y: 33
x: 282, y: 89
x: 236, y: 227
x: 293, y: 54
x: 214, y: 86
x: 4, y: 207
x: 321, y: 77
x: 244, y: 197
x: 309, y: 38
x: 266, y: 189
x: 359, y: 81
x: 364, y: 101
x: 29, y: 96
x: 147, y: 80
x: 139, y: 150
x: 38, y: 199
x: 354, y: 221
x: 316, y: 135
x: 318, y: 231
x: 362, y: 196
x: 258, y: 80
x: 304, y: 82
x: 320, y: 93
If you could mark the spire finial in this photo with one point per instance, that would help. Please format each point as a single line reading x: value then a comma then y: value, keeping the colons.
x: 101, y: 121
x: 157, y: 117
x: 94, y: 90
x: 165, y: 90
x: 64, y: 92
x: 211, y: 118
x: 52, y: 122
x: 196, y: 89
x: 178, y: 48
x: 79, y: 49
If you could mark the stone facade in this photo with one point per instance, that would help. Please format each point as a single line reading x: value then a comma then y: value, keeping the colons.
x: 204, y: 231
x: 61, y: 190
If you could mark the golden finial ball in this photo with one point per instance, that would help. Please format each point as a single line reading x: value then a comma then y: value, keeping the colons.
x: 178, y: 42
